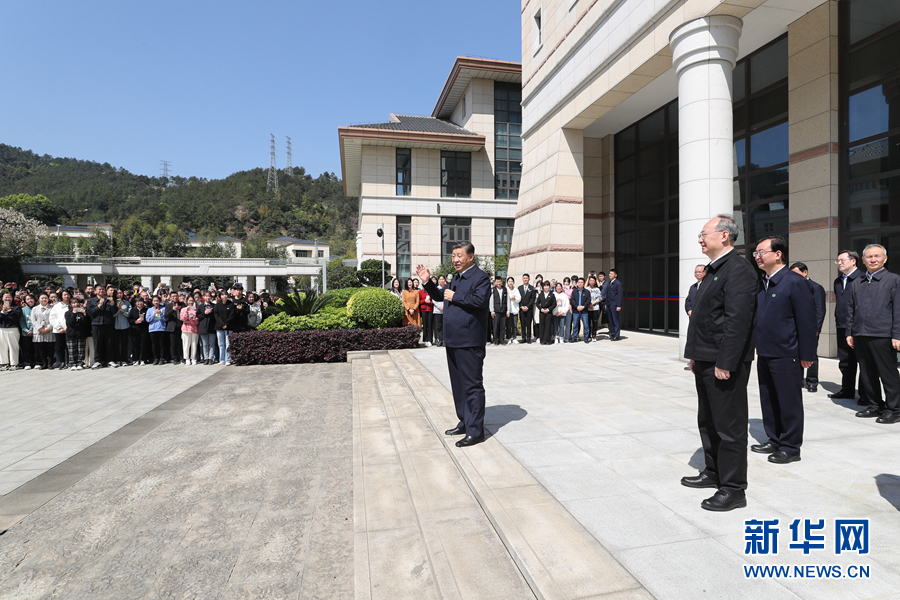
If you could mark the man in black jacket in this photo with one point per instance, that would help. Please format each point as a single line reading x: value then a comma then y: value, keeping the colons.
x: 581, y: 302
x: 102, y: 311
x: 785, y: 345
x: 699, y: 272
x: 526, y: 307
x: 466, y: 319
x: 720, y: 346
x: 874, y: 312
x: 846, y: 262
x: 811, y: 382
x: 173, y: 327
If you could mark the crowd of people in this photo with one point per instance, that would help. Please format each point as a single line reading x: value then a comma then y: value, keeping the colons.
x: 549, y: 312
x: 105, y: 326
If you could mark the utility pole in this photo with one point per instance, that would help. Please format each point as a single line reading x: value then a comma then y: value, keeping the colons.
x: 164, y: 166
x: 272, y: 184
x: 288, y: 168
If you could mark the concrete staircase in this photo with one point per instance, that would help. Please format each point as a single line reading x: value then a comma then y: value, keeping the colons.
x: 435, y: 521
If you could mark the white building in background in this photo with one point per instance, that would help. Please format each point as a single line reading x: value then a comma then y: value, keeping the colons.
x: 432, y: 181
x: 301, y: 248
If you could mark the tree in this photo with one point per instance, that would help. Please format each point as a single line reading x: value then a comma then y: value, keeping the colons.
x: 39, y: 208
x: 370, y: 273
x: 96, y: 244
x: 340, y: 277
x: 258, y: 247
x: 19, y: 235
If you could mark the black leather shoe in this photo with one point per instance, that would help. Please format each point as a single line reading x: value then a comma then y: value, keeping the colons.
x: 869, y: 413
x: 767, y: 448
x: 782, y: 458
x: 455, y: 431
x: 699, y: 481
x: 888, y: 417
x: 842, y: 394
x: 469, y: 441
x: 812, y: 388
x: 723, y: 501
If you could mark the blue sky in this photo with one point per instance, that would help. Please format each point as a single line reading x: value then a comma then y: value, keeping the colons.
x: 203, y: 84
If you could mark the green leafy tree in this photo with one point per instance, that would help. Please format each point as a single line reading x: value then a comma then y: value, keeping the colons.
x: 370, y: 273
x: 96, y: 244
x: 340, y: 276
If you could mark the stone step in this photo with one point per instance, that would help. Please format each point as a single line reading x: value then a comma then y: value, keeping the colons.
x: 419, y: 532
x: 558, y: 557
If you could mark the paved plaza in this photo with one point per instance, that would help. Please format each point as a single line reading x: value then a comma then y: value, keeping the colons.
x: 336, y: 481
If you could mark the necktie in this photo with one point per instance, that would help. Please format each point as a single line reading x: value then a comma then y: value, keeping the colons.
x: 844, y: 286
x: 766, y: 282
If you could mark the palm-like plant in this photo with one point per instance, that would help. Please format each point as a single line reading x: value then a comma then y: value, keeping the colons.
x: 302, y: 303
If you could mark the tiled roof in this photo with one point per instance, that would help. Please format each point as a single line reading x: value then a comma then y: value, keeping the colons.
x: 423, y: 124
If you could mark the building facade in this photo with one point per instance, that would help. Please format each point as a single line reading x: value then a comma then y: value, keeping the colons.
x: 642, y: 119
x: 429, y: 182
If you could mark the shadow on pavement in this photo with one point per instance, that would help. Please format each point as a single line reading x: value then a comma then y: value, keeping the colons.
x: 889, y: 488
x: 758, y: 432
x: 698, y: 460
x: 498, y: 416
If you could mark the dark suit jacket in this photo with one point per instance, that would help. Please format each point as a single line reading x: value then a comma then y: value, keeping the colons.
x: 173, y: 323
x: 466, y: 316
x: 548, y: 302
x: 786, y: 317
x: 724, y: 330
x: 580, y: 298
x: 842, y: 298
x: 614, y: 293
x: 528, y: 296
x: 689, y: 301
x: 818, y: 294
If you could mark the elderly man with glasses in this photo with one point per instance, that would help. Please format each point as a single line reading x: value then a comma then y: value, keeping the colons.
x: 874, y: 315
x: 848, y: 276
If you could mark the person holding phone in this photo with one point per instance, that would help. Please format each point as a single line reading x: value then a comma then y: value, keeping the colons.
x: 140, y: 333
x: 102, y: 311
x: 78, y: 327
x: 189, y: 331
x: 121, y: 327
x: 10, y: 332
x: 156, y: 317
x: 206, y: 329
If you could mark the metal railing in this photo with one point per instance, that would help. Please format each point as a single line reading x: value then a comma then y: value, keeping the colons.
x: 161, y: 260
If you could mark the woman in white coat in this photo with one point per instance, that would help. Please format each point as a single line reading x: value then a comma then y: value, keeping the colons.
x: 512, y: 314
x: 42, y: 333
x: 58, y: 321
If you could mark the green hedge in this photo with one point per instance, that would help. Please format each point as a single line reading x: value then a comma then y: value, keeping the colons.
x: 339, y: 298
x: 321, y: 321
x: 375, y: 308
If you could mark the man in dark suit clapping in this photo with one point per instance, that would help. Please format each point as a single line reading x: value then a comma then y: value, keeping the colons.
x: 465, y: 334
x: 720, y: 346
x: 785, y: 344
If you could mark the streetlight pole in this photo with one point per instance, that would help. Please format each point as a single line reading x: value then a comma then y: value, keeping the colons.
x: 380, y: 233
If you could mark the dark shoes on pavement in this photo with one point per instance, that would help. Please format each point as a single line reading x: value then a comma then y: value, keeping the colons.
x: 782, y: 458
x: 842, y: 394
x: 699, y: 481
x: 723, y: 501
x: 889, y: 416
x: 767, y: 448
x: 869, y: 412
x: 455, y: 431
x: 812, y: 388
x: 469, y: 441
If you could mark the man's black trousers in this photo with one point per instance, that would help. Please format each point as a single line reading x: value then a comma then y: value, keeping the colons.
x: 878, y: 361
x: 102, y: 335
x: 847, y: 364
x: 466, y: 367
x: 722, y: 420
x: 781, y: 400
x: 527, y: 321
x: 499, y: 322
x: 511, y: 326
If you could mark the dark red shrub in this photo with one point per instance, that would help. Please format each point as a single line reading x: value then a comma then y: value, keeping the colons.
x: 278, y: 348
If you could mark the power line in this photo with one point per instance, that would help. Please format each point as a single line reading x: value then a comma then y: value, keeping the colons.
x: 273, y: 169
x: 164, y: 166
x: 288, y: 168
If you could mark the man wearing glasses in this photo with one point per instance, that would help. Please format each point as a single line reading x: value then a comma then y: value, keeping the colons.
x: 720, y: 346
x: 875, y: 335
x: 849, y: 276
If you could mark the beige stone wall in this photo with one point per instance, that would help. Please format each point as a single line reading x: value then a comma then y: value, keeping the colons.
x: 814, y: 163
x: 371, y: 243
x: 599, y: 204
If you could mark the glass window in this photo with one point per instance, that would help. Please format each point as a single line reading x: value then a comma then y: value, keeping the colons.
x: 503, y: 232
x: 453, y: 231
x: 769, y: 65
x: 404, y: 170
x: 878, y: 156
x: 868, y: 17
x: 456, y: 174
x: 404, y: 254
x: 769, y: 147
x: 869, y: 113
x: 874, y: 60
x: 507, y: 140
x: 768, y: 219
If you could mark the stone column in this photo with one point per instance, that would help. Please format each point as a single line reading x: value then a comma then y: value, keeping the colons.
x: 147, y: 282
x: 244, y: 281
x: 68, y: 281
x: 166, y: 280
x: 267, y: 283
x: 704, y: 52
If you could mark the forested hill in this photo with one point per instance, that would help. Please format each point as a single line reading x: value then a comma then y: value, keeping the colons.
x: 238, y: 205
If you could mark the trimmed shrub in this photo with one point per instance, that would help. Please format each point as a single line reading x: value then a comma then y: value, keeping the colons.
x: 375, y: 308
x: 322, y: 321
x: 339, y: 298
x: 275, y: 348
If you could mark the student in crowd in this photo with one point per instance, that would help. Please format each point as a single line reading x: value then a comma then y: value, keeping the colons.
x: 189, y: 333
x: 527, y: 296
x: 43, y: 333
x: 498, y: 305
x: 140, y: 333
x: 411, y: 305
x: 426, y: 309
x: 121, y: 328
x: 26, y: 343
x: 206, y: 329
x: 580, y: 307
x: 512, y: 310
x: 568, y: 287
x: 594, y: 310
x: 102, y: 311
x: 10, y: 332
x: 255, y: 317
x: 224, y: 313
x: 562, y: 313
x: 156, y: 317
x: 58, y: 320
x: 545, y: 305
x: 173, y: 327
x: 396, y: 289
x: 78, y: 326
x: 439, y: 312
